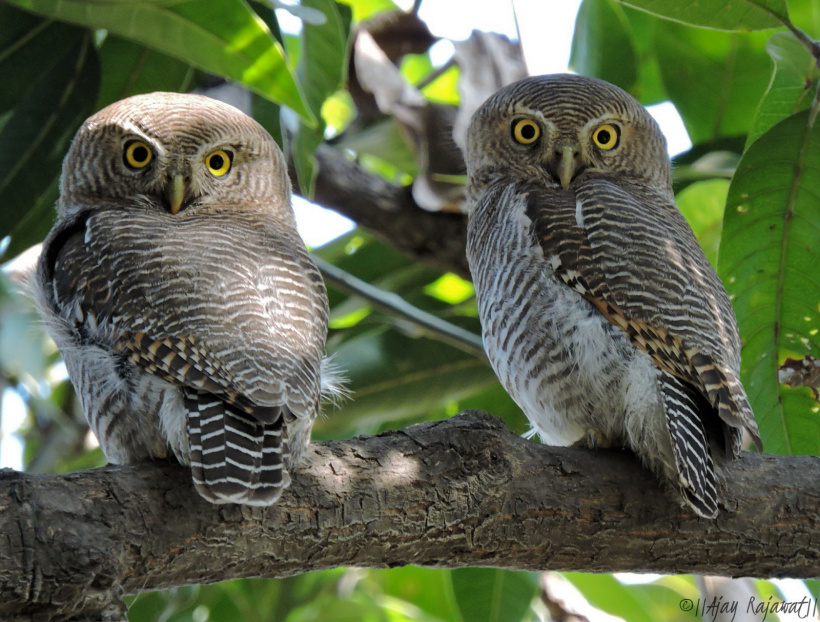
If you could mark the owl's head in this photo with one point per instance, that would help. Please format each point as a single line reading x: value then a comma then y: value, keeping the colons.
x: 560, y: 128
x: 173, y: 152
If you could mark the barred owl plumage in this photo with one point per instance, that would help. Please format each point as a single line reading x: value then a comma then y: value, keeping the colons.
x: 600, y: 313
x: 190, y: 315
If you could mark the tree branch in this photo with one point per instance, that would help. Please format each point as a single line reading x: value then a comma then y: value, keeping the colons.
x: 460, y: 492
x: 435, y: 238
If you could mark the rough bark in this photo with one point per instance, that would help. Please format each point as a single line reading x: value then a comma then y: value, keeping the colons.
x: 435, y: 238
x: 460, y: 492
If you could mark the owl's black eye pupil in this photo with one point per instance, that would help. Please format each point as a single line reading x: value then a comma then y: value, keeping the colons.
x: 604, y: 137
x: 217, y: 162
x: 140, y: 154
x: 528, y: 132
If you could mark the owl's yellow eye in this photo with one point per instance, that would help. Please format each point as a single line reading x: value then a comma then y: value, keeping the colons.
x: 218, y: 163
x: 606, y: 137
x: 525, y: 131
x: 138, y: 154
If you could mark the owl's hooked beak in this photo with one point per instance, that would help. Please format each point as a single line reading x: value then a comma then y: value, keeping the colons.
x: 175, y: 192
x: 567, y: 164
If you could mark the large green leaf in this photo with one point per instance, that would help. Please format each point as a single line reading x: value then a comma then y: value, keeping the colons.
x: 648, y: 88
x: 365, y: 9
x: 429, y: 589
x: 715, y: 79
x: 662, y: 600
x: 27, y: 50
x: 601, y: 27
x: 224, y: 37
x: 384, y: 140
x: 768, y: 260
x: 805, y: 14
x: 129, y: 68
x: 493, y: 595
x: 35, y: 139
x: 263, y: 110
x: 702, y: 203
x: 736, y: 15
x: 321, y: 71
x: 792, y: 84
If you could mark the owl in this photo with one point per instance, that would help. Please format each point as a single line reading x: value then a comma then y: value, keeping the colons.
x: 600, y: 313
x: 191, y: 318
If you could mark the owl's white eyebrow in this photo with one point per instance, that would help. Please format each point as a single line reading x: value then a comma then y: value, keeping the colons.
x: 133, y: 128
x: 532, y: 112
x: 607, y: 117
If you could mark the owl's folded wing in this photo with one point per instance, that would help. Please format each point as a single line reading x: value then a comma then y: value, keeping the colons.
x: 636, y: 260
x: 198, y: 323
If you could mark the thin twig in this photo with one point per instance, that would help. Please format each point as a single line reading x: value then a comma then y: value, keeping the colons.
x: 396, y: 306
x: 804, y: 38
x: 436, y: 74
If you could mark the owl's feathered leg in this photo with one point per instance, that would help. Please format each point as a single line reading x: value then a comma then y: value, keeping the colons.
x: 234, y: 458
x: 695, y: 469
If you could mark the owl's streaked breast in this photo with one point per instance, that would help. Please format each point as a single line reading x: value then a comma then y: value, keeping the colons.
x: 564, y: 364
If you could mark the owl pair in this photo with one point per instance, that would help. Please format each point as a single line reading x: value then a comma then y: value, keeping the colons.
x: 192, y: 319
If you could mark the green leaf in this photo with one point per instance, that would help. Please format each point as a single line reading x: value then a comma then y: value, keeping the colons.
x: 792, y: 84
x: 264, y: 111
x: 805, y: 14
x: 492, y: 595
x: 365, y: 9
x: 22, y: 352
x: 648, y: 88
x: 601, y: 27
x: 702, y: 203
x: 636, y: 603
x: 444, y: 89
x: 716, y: 159
x: 305, y: 13
x: 129, y: 68
x: 224, y: 37
x: 35, y: 139
x: 27, y: 44
x: 715, y: 79
x: 768, y: 260
x: 735, y: 16
x: 385, y: 141
x: 813, y: 586
x: 429, y: 589
x: 321, y: 71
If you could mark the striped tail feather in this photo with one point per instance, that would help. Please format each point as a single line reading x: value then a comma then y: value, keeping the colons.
x: 696, y: 472
x: 235, y: 458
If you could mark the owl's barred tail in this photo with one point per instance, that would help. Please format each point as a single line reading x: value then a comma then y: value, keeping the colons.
x: 696, y: 471
x: 234, y: 458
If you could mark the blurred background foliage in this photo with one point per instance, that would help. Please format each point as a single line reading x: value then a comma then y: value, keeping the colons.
x: 740, y: 74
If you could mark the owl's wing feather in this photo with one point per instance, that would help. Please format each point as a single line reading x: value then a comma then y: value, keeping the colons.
x: 226, y: 319
x: 631, y: 253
